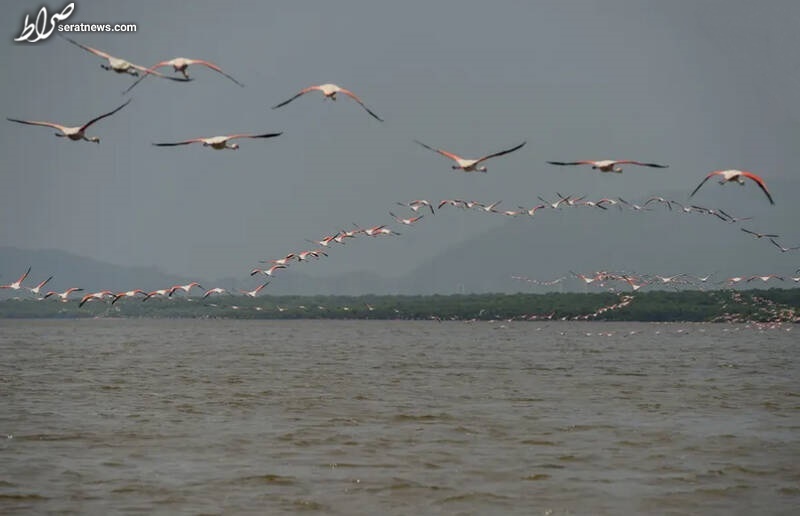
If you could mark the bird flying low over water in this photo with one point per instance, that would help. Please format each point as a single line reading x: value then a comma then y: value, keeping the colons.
x: 73, y: 133
x: 180, y: 64
x: 115, y: 64
x: 733, y: 175
x: 607, y: 165
x: 219, y: 142
x: 470, y: 165
x: 329, y: 91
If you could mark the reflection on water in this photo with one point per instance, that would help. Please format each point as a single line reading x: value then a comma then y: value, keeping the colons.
x: 373, y: 417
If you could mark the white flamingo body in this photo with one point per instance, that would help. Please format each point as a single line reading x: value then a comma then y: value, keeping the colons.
x: 219, y: 142
x: 267, y: 272
x: 406, y: 221
x: 215, y: 290
x: 63, y: 296
x: 16, y: 285
x: 95, y: 296
x: 329, y: 91
x: 254, y: 293
x: 38, y: 288
x: 736, y: 176
x: 470, y: 165
x: 186, y: 288
x: 607, y: 165
x: 180, y: 65
x: 73, y: 133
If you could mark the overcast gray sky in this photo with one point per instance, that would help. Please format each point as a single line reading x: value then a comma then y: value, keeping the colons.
x: 700, y: 85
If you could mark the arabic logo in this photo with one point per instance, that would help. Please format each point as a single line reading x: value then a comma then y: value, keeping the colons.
x: 39, y: 26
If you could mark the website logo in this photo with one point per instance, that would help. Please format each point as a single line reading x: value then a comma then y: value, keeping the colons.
x: 39, y: 29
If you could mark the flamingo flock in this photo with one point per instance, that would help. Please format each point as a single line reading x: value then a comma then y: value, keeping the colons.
x: 635, y: 282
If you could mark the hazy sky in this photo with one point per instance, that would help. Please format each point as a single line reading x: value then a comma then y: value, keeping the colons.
x: 700, y: 85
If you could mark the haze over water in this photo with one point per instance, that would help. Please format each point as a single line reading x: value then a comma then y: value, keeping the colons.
x: 377, y: 417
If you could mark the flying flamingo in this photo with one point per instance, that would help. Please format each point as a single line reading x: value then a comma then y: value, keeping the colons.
x: 417, y: 204
x: 407, y: 221
x: 733, y: 175
x: 759, y: 235
x: 303, y: 256
x: 491, y: 208
x: 130, y: 293
x: 254, y: 293
x: 765, y: 278
x: 118, y: 65
x: 63, y: 295
x: 219, y: 142
x: 607, y: 165
x: 186, y: 288
x: 215, y: 290
x: 95, y: 296
x: 73, y: 133
x: 281, y: 261
x: 267, y: 272
x: 17, y: 284
x: 38, y: 288
x: 160, y: 292
x: 329, y: 91
x: 783, y: 249
x: 532, y: 211
x: 470, y: 165
x: 180, y: 64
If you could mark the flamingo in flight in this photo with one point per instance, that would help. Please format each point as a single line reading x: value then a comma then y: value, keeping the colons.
x: 16, y: 285
x: 267, y: 272
x: 329, y: 91
x: 407, y: 221
x: 219, y: 142
x: 470, y: 165
x: 130, y: 293
x: 180, y: 64
x: 186, y: 288
x: 254, y: 293
x: 215, y: 290
x: 63, y: 296
x: 115, y: 64
x: 783, y: 249
x: 759, y: 235
x: 417, y: 204
x: 38, y: 288
x: 733, y: 175
x: 73, y: 133
x: 607, y: 165
x: 95, y: 296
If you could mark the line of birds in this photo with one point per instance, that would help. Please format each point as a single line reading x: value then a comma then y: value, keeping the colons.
x: 330, y: 91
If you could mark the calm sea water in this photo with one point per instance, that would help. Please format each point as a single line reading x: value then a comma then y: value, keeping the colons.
x: 369, y: 417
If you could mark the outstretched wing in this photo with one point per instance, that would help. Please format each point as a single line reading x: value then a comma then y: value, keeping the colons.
x: 173, y: 144
x: 631, y: 162
x: 709, y: 176
x: 87, y: 48
x: 93, y: 120
x: 444, y: 153
x: 300, y: 94
x: 267, y: 135
x: 146, y: 72
x: 569, y: 163
x: 507, y: 151
x: 760, y: 183
x: 215, y: 68
x: 32, y: 122
x: 355, y: 97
